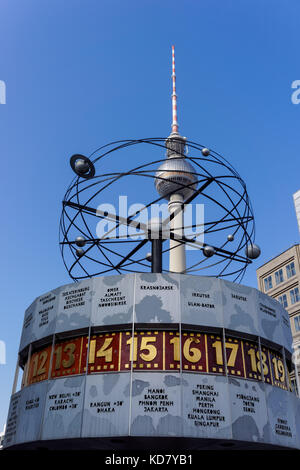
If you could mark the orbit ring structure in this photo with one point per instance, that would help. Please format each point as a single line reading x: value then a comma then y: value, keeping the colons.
x: 228, y: 227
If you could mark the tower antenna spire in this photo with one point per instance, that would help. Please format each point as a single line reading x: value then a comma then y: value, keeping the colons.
x: 174, y: 96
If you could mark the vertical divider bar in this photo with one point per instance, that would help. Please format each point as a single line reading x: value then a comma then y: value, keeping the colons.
x: 47, y: 387
x: 85, y: 375
x: 180, y: 354
x: 287, y: 375
x: 23, y: 383
x: 120, y: 351
x: 164, y: 350
x: 80, y: 355
x: 131, y: 359
x: 51, y: 356
x: 260, y: 361
x: 243, y: 357
x: 224, y: 351
x: 180, y: 357
x: 28, y: 368
x: 226, y: 374
x: 16, y: 376
x: 270, y: 365
x: 206, y: 353
x: 86, y: 363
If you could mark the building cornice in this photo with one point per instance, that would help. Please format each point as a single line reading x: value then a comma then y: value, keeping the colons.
x: 295, y: 246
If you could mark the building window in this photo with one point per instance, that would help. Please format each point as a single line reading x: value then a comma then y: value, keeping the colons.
x: 297, y: 322
x: 290, y: 269
x: 295, y: 297
x: 283, y: 300
x: 268, y: 283
x: 279, y: 276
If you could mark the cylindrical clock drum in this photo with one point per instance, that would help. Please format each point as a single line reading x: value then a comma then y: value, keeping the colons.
x: 153, y: 361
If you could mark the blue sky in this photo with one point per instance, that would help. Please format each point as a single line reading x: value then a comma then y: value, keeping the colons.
x: 80, y: 74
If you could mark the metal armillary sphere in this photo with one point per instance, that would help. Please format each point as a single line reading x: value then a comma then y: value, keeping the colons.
x: 219, y: 243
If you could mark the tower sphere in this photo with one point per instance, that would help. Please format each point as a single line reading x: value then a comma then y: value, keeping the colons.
x: 175, y: 175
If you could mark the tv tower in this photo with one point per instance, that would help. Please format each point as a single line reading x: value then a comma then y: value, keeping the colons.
x: 176, y: 181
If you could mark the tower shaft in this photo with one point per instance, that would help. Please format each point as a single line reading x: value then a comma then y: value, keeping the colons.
x: 177, y: 262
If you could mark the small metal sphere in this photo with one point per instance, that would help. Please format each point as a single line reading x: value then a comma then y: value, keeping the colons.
x: 252, y: 251
x: 81, y: 166
x: 205, y: 152
x: 79, y: 252
x: 208, y: 251
x: 80, y: 241
x: 230, y: 237
x: 149, y: 257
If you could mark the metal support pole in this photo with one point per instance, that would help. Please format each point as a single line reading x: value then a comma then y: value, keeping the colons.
x: 156, y: 255
x: 16, y: 376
